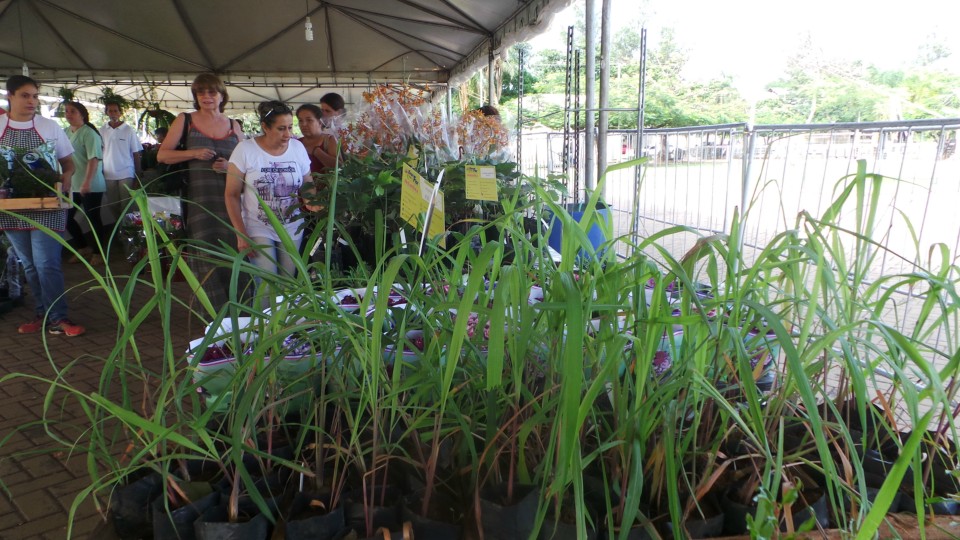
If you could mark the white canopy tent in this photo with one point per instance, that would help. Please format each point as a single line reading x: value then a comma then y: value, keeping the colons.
x: 150, y: 50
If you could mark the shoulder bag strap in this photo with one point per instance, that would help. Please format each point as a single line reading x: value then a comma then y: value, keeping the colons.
x: 186, y: 132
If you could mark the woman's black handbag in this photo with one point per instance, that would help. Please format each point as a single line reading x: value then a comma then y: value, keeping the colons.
x: 177, y: 175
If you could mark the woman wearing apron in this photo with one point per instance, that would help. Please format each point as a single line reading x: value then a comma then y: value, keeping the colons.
x: 30, y: 140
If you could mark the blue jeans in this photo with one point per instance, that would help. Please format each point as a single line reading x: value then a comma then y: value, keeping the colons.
x: 12, y: 274
x: 41, y: 257
x: 271, y: 258
x: 270, y: 255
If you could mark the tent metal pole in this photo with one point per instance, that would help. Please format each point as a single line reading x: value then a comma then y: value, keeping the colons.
x: 604, y: 120
x: 490, y: 76
x: 520, y: 107
x: 449, y: 102
x: 589, y: 153
x: 638, y: 145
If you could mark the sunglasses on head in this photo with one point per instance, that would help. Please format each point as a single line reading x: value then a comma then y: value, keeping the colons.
x: 279, y: 109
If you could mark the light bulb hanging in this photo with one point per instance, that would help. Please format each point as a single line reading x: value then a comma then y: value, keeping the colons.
x: 26, y: 70
x: 308, y: 29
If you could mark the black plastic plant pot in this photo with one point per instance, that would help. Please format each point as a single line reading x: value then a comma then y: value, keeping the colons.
x: 856, y: 452
x: 818, y: 510
x: 261, y: 466
x: 200, y: 470
x: 708, y: 524
x: 213, y: 525
x: 942, y: 464
x: 558, y: 530
x: 502, y: 519
x: 875, y: 463
x: 403, y: 533
x: 434, y: 530
x: 250, y: 524
x: 766, y: 379
x: 874, y: 482
x: 705, y: 527
x: 434, y: 525
x: 130, y: 509
x: 312, y: 518
x: 939, y: 506
x: 735, y: 513
x: 506, y: 517
x: 177, y: 523
x: 554, y: 529
x: 382, y: 504
x: 640, y: 533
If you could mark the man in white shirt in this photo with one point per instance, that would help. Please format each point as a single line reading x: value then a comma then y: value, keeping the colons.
x: 121, y: 160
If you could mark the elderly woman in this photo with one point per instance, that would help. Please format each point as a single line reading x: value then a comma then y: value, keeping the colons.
x: 37, y: 142
x: 270, y: 168
x: 211, y: 138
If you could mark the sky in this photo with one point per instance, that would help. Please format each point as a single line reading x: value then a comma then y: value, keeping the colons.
x: 751, y: 40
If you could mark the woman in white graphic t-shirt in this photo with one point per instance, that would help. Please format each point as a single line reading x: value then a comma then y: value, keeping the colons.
x: 263, y: 185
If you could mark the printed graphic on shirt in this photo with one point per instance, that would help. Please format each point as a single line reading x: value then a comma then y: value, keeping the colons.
x: 278, y: 186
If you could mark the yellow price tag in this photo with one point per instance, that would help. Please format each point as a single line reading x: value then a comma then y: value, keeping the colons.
x: 481, y: 182
x: 411, y: 197
x: 415, y: 194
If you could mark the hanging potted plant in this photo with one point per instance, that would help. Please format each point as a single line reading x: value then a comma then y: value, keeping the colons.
x: 109, y: 97
x: 154, y: 117
x: 66, y: 95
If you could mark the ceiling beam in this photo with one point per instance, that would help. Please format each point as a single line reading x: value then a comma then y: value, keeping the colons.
x: 5, y: 9
x: 248, y: 90
x: 264, y: 43
x: 300, y: 93
x: 439, y: 15
x: 58, y: 35
x: 417, y: 38
x: 331, y: 58
x: 399, y: 56
x: 462, y: 13
x: 191, y: 29
x: 391, y: 38
x: 30, y: 62
x: 120, y: 35
x: 454, y: 27
x: 52, y: 78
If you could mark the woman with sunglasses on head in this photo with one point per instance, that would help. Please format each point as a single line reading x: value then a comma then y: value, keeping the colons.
x: 211, y: 138
x: 88, y: 182
x: 270, y: 168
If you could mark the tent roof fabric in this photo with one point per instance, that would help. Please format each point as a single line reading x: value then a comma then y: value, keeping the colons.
x: 150, y: 50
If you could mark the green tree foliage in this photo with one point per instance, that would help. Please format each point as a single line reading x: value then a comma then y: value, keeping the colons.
x: 671, y: 100
x: 814, y: 88
x: 931, y: 93
x: 511, y: 75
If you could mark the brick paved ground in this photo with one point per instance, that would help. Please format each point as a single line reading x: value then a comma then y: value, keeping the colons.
x: 41, y: 485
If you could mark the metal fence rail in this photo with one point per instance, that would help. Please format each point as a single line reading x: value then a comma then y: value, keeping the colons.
x: 700, y: 177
